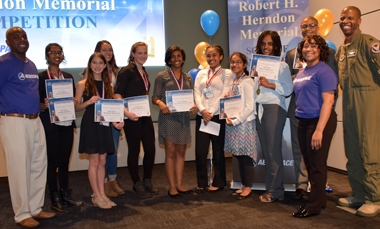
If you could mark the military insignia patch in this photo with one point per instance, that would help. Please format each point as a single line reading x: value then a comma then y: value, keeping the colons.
x: 375, y: 47
x: 351, y: 53
x: 342, y: 56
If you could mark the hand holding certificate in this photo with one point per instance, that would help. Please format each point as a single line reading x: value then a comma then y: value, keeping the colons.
x: 267, y: 66
x: 180, y: 100
x: 109, y: 110
x: 139, y: 105
x: 230, y: 107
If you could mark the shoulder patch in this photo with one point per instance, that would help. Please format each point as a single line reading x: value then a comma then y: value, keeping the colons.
x: 375, y: 47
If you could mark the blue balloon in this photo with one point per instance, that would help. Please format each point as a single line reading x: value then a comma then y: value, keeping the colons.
x: 193, y: 72
x: 210, y: 22
x: 331, y: 45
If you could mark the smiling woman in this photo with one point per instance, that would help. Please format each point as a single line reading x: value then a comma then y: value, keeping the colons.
x: 314, y: 89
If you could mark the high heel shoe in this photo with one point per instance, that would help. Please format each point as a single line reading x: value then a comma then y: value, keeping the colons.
x: 99, y: 202
x: 110, y: 202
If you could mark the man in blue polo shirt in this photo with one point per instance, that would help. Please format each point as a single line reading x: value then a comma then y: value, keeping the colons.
x: 21, y: 131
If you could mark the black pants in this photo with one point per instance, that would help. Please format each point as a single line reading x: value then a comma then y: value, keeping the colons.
x: 136, y: 131
x: 59, y: 143
x: 246, y: 170
x: 316, y: 160
x: 202, y: 144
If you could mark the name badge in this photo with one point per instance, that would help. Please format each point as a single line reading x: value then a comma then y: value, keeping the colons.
x: 208, y: 93
x: 351, y: 53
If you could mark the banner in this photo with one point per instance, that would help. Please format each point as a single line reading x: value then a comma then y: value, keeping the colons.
x: 78, y: 25
x: 246, y: 20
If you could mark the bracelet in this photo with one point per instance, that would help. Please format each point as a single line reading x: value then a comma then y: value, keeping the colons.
x: 159, y: 103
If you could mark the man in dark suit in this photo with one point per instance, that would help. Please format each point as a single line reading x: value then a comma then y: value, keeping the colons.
x: 309, y: 26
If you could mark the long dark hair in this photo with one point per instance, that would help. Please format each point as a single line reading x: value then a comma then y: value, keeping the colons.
x: 90, y: 81
x: 243, y: 58
x: 112, y: 62
x: 277, y: 47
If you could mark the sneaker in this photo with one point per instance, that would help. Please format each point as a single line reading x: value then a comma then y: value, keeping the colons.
x: 368, y: 210
x: 350, y: 202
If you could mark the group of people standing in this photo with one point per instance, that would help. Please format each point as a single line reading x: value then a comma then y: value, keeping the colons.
x: 38, y: 149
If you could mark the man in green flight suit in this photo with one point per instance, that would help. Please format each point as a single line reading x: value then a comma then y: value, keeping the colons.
x: 359, y: 77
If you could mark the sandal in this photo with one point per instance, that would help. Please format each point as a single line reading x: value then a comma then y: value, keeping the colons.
x: 268, y: 198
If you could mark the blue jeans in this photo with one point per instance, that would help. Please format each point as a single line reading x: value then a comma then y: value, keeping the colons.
x: 111, y: 161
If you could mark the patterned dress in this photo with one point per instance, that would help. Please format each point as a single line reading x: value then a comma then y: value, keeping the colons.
x: 240, y: 140
x: 176, y: 126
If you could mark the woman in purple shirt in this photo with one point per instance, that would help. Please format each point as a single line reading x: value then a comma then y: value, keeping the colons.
x: 314, y: 88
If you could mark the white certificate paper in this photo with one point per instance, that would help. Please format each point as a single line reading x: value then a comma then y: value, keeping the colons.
x: 180, y: 100
x: 211, y: 127
x: 59, y: 88
x: 230, y: 107
x: 267, y: 66
x: 61, y: 110
x: 138, y: 105
x: 109, y: 110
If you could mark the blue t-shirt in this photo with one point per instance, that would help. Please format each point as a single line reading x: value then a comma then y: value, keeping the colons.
x: 18, y: 86
x: 308, y: 87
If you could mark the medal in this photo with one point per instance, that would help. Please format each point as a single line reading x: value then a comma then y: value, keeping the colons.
x: 258, y: 91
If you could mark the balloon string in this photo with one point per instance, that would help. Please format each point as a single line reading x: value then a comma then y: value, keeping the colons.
x: 210, y: 41
x: 373, y: 11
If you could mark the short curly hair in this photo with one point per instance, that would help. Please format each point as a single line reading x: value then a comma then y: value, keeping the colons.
x: 320, y: 42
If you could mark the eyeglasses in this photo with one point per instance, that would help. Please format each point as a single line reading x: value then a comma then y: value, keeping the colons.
x: 236, y: 62
x: 312, y: 25
x: 55, y: 52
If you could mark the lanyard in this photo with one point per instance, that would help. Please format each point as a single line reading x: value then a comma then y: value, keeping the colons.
x: 144, y: 78
x: 236, y: 83
x: 180, y: 87
x: 209, y: 80
x: 50, y: 74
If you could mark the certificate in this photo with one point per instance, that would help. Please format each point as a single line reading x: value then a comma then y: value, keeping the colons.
x: 211, y: 127
x: 180, y: 100
x: 109, y: 110
x: 59, y: 88
x: 230, y: 107
x: 267, y: 66
x: 138, y: 105
x: 297, y: 63
x: 61, y: 109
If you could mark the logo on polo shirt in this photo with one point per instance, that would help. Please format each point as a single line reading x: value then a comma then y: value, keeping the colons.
x: 23, y: 76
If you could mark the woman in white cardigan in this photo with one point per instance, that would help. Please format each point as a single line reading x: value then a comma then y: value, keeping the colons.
x: 240, y: 138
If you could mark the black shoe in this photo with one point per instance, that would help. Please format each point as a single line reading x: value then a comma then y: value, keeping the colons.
x: 67, y: 200
x: 149, y: 187
x: 303, y: 213
x: 56, y: 204
x: 198, y: 191
x: 298, y: 194
x: 185, y: 192
x: 140, y: 190
x: 174, y: 196
x: 240, y: 197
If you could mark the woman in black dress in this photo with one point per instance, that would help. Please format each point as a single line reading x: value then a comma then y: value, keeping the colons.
x: 95, y: 137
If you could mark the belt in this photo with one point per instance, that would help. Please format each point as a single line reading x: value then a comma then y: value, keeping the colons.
x: 29, y: 116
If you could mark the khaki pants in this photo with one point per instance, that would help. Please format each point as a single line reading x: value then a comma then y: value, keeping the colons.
x: 25, y: 150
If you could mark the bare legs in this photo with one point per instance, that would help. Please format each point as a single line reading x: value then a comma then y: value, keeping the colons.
x: 174, y: 165
x: 96, y: 172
